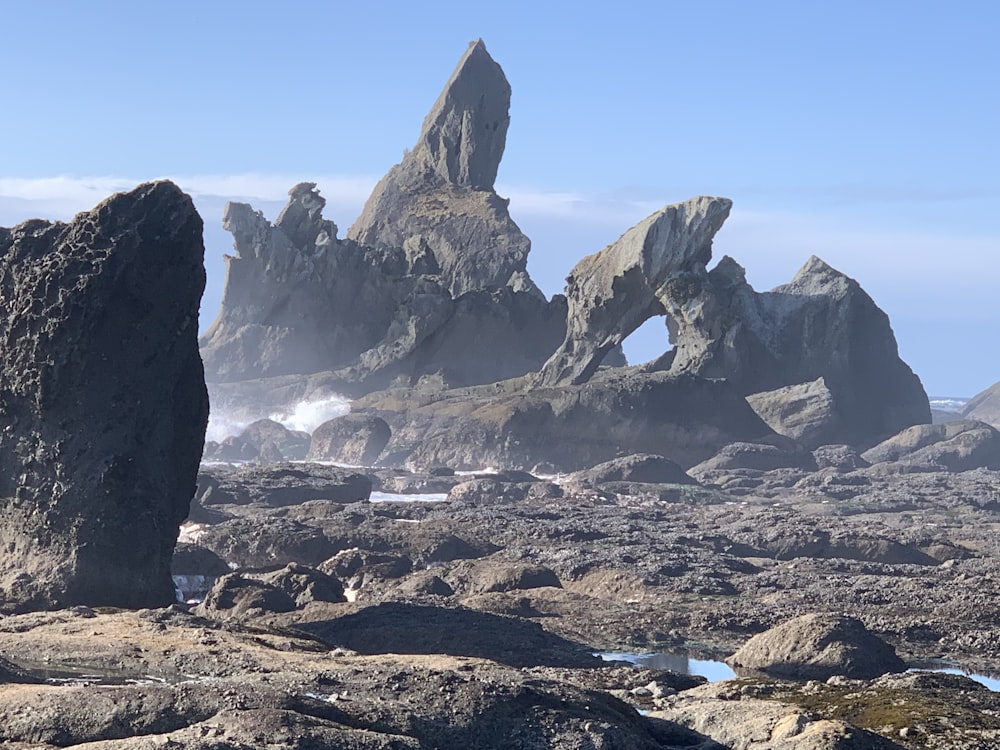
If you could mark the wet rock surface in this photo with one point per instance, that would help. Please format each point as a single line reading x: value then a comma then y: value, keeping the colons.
x: 102, y: 400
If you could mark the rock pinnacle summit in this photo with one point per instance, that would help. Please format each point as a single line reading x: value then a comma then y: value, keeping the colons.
x: 441, y: 195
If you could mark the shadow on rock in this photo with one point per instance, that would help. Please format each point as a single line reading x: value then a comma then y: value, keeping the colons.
x: 398, y: 628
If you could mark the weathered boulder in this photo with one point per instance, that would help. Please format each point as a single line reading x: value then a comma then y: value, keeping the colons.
x: 267, y: 543
x: 484, y: 576
x: 103, y: 405
x: 611, y: 293
x: 304, y: 584
x: 439, y: 201
x: 235, y: 596
x: 953, y: 446
x: 353, y: 439
x: 720, y: 712
x: 839, y: 457
x: 638, y: 467
x: 817, y: 647
x: 263, y: 440
x: 805, y: 412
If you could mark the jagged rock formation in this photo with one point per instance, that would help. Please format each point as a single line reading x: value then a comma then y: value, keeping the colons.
x: 299, y: 301
x: 296, y: 299
x: 102, y: 400
x: 821, y: 325
x: 613, y: 292
x: 441, y: 195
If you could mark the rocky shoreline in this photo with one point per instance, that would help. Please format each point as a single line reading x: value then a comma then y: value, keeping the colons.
x: 473, y: 621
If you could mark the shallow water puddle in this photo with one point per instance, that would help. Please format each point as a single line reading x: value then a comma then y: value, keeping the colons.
x: 680, y: 663
x: 714, y: 671
x: 395, y: 497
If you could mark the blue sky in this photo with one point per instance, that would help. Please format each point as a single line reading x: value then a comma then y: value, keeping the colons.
x: 865, y: 133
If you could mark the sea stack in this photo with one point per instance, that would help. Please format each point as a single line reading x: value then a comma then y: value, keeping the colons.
x: 103, y: 405
x: 441, y: 195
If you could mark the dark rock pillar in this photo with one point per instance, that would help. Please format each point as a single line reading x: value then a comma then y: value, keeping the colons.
x: 103, y: 404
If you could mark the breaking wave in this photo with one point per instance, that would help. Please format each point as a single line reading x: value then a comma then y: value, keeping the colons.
x: 304, y: 416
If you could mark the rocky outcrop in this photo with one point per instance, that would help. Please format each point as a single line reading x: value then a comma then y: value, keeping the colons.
x: 567, y: 427
x: 613, y: 292
x: 820, y: 333
x: 297, y: 299
x: 263, y: 440
x: 817, y: 647
x: 821, y: 325
x: 281, y: 484
x: 439, y: 201
x: 646, y: 468
x: 102, y: 400
x: 961, y: 445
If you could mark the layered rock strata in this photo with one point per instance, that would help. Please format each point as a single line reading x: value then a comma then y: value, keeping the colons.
x: 103, y: 405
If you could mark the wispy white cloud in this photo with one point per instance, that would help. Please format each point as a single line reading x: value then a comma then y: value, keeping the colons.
x: 64, y: 196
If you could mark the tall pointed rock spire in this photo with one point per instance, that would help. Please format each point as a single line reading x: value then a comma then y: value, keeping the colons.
x: 441, y: 195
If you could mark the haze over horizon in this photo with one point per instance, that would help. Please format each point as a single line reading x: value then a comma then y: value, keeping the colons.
x: 863, y: 135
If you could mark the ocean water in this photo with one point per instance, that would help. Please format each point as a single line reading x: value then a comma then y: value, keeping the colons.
x: 948, y: 403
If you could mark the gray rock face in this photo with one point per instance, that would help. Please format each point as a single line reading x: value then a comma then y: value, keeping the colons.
x: 102, y: 400
x: 805, y: 412
x: 821, y: 325
x: 297, y: 299
x: 300, y: 301
x: 817, y: 647
x: 613, y: 292
x: 441, y: 195
x: 759, y: 457
x: 639, y: 467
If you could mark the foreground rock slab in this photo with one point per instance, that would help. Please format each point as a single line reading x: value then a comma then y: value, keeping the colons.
x: 103, y: 405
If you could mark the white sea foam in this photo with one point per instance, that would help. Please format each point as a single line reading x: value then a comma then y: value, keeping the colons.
x: 305, y: 416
